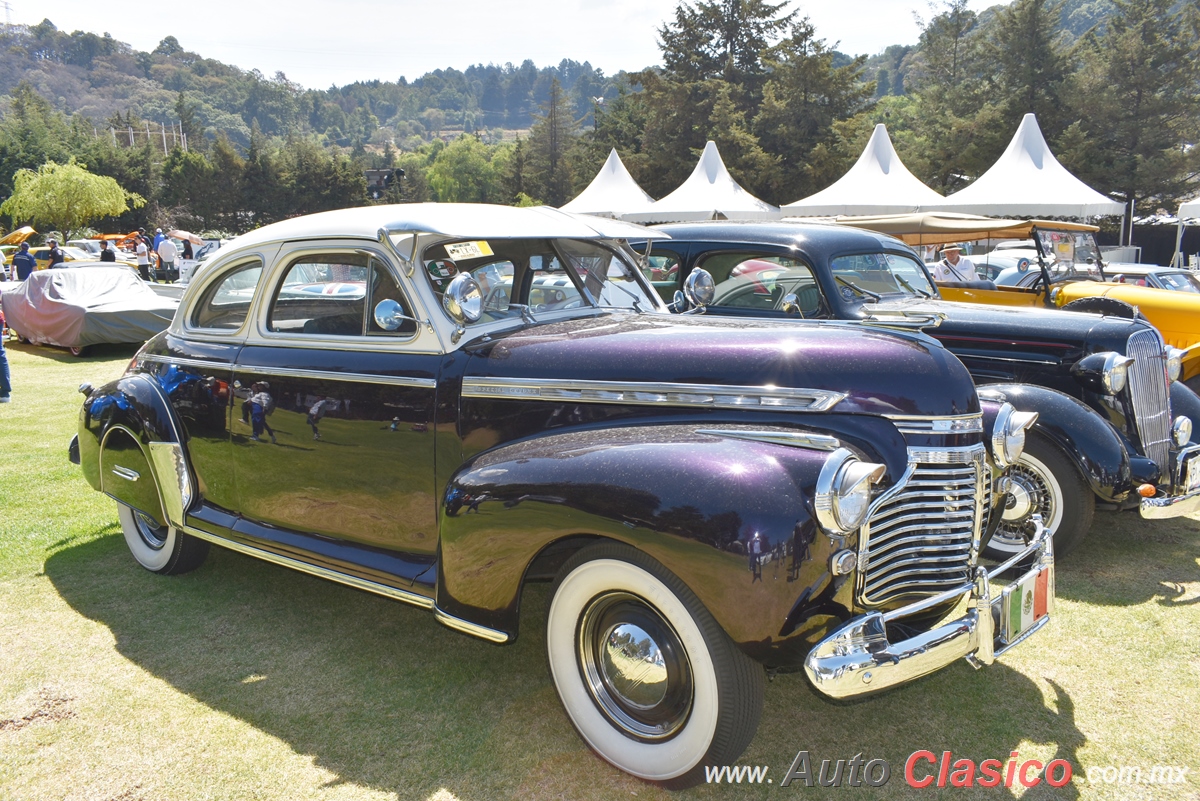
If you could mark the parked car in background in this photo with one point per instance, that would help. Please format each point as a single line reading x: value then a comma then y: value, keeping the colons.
x: 42, y: 255
x: 1153, y: 276
x: 77, y: 308
x: 1111, y: 424
x: 187, y: 267
x: 468, y: 398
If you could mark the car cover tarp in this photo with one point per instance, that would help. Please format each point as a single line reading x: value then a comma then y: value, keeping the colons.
x: 81, y: 307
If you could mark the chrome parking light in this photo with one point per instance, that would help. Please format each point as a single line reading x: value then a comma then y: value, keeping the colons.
x: 843, y: 492
x: 1181, y: 430
x: 1008, y: 434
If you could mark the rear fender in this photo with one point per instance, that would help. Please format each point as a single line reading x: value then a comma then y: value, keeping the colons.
x: 1086, y: 438
x: 131, y: 448
x: 731, y: 517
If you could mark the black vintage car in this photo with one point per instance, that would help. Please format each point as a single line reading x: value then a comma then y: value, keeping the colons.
x: 442, y: 403
x: 1115, y: 428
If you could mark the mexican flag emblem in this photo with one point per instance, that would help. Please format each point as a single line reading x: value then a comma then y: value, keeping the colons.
x: 1026, y: 602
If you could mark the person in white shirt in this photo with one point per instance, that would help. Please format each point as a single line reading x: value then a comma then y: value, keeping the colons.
x: 167, y: 253
x: 954, y: 266
x: 143, y: 260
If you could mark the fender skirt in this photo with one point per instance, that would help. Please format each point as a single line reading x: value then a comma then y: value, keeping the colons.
x: 131, y: 448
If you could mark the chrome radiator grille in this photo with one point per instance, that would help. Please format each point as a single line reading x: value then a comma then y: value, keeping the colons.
x: 1149, y: 393
x: 919, y: 538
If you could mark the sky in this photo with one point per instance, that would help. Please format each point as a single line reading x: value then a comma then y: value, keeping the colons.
x: 320, y: 44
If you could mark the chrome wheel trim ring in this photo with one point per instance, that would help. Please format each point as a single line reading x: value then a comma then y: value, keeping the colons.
x: 641, y: 684
x: 150, y: 533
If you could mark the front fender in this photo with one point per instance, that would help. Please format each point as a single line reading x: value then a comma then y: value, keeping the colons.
x: 1086, y: 438
x: 1187, y: 403
x: 131, y: 448
x: 731, y: 517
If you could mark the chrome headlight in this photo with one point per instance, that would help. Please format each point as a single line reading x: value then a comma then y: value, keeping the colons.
x: 844, y: 491
x: 1116, y: 372
x: 1174, y: 364
x: 1181, y: 430
x: 1008, y: 435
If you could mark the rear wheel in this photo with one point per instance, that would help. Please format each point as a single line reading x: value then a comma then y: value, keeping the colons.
x: 78, y: 350
x: 1045, y: 482
x: 160, y: 548
x: 651, y: 682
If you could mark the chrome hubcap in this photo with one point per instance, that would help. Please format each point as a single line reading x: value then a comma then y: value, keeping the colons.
x: 152, y: 534
x: 1029, y: 494
x: 634, y: 667
x: 1019, y: 504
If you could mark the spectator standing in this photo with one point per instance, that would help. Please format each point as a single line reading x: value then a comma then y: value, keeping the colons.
x: 187, y: 249
x: 5, y: 377
x: 143, y: 259
x: 158, y: 238
x: 23, y: 262
x: 57, y: 257
x: 107, y: 253
x: 167, y: 253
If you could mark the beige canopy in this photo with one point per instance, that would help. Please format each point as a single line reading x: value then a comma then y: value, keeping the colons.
x: 943, y: 227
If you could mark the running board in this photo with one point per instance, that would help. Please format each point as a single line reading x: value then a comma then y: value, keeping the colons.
x: 395, y: 593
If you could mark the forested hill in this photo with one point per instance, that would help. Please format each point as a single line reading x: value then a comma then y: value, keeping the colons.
x: 100, y: 77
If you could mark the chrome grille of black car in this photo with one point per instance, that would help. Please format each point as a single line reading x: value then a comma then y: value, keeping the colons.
x: 919, y: 538
x: 1150, y: 395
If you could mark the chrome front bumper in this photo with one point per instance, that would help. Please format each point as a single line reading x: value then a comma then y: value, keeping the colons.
x: 1164, y: 506
x: 859, y: 658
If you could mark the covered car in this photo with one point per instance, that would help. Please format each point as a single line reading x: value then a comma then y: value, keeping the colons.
x: 77, y: 308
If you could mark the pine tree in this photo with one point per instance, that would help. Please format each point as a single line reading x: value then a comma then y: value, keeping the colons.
x: 553, y: 133
x: 1029, y: 66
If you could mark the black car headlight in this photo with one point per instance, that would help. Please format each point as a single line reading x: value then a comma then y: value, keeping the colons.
x: 844, y: 491
x: 1174, y: 363
x: 1008, y: 434
x: 1105, y: 373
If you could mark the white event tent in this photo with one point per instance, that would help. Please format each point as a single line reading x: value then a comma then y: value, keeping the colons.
x: 611, y: 193
x: 1028, y: 181
x: 878, y: 183
x: 709, y: 193
x: 1187, y: 211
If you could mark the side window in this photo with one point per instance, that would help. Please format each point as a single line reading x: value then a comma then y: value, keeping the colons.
x: 662, y: 271
x: 225, y: 303
x: 760, y: 282
x: 322, y: 294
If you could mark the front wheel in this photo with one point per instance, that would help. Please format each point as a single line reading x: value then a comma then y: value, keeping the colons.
x: 1045, y: 482
x: 651, y: 682
x: 160, y: 549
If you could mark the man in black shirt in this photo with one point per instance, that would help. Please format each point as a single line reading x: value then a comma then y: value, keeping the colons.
x: 57, y: 257
x: 107, y: 253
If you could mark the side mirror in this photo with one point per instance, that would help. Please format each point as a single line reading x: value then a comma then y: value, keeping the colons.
x: 679, y: 301
x: 463, y: 299
x: 389, y: 315
x: 699, y: 288
x: 791, y: 304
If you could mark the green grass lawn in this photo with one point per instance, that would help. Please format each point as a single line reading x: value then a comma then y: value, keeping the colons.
x: 244, y: 680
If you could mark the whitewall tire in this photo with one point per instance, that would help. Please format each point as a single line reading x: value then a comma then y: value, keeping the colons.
x: 160, y: 549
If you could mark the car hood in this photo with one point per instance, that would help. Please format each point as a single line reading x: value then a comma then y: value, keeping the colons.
x: 879, y: 372
x: 1061, y: 335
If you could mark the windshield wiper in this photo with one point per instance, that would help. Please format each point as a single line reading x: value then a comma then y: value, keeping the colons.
x: 912, y: 288
x: 857, y: 288
x: 636, y: 300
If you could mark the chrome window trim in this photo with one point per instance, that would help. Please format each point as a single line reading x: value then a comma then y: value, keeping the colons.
x: 420, y: 341
x: 331, y: 375
x: 156, y: 358
x: 196, y: 288
x: 700, y: 396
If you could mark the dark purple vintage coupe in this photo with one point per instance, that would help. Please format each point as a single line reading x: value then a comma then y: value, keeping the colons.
x: 501, y: 400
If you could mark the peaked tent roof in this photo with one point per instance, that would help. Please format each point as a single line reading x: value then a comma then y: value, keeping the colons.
x: 878, y: 183
x: 709, y: 193
x: 1027, y: 181
x: 611, y: 193
x: 1190, y: 209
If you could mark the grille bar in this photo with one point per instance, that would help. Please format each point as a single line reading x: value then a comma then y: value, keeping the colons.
x: 1149, y: 392
x: 920, y: 536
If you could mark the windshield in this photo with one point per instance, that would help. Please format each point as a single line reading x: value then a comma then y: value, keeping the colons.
x: 540, y: 275
x: 1070, y: 255
x: 865, y: 275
